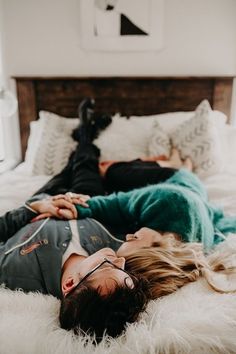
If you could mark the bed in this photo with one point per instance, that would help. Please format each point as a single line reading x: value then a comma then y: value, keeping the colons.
x: 194, y: 319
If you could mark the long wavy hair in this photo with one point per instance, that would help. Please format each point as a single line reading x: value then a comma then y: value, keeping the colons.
x: 170, y: 264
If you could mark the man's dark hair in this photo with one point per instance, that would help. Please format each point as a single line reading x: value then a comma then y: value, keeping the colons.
x: 86, y: 311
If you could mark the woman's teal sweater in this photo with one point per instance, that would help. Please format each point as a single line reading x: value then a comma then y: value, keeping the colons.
x: 178, y: 205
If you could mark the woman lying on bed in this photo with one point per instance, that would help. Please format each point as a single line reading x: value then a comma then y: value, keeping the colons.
x: 179, y: 207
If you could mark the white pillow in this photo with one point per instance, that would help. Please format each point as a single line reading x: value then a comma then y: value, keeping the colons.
x: 125, y: 139
x: 33, y: 142
x: 197, y: 137
x: 169, y: 122
x: 50, y: 143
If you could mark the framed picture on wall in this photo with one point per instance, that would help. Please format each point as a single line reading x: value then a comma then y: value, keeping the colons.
x: 121, y: 25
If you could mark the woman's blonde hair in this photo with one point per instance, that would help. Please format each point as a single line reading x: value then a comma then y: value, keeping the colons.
x: 171, y: 264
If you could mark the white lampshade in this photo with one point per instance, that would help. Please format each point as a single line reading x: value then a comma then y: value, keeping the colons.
x: 8, y: 103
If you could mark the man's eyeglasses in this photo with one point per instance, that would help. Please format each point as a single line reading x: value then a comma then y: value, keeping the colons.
x: 94, y: 270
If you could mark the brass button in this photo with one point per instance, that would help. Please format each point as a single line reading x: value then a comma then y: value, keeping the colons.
x: 45, y: 241
x: 22, y: 252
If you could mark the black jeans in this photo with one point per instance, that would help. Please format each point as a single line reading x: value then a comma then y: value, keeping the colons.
x: 124, y: 176
x: 81, y: 175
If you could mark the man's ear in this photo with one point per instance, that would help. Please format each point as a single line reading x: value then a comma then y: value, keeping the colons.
x: 68, y: 284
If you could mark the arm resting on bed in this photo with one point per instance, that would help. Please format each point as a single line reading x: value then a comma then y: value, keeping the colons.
x: 13, y: 221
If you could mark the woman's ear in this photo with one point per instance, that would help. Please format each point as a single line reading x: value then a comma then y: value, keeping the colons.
x: 68, y: 284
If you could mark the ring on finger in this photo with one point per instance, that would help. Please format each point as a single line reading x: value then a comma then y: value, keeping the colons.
x: 70, y: 194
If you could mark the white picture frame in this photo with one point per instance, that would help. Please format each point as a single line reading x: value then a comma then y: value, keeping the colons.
x: 101, y: 29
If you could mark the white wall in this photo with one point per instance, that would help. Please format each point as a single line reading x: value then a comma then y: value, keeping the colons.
x: 10, y: 136
x: 1, y: 43
x: 43, y: 38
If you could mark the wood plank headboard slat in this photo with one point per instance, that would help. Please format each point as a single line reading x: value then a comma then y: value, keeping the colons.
x: 222, y: 96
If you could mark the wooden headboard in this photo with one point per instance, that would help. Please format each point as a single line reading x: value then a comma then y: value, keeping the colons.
x: 127, y: 95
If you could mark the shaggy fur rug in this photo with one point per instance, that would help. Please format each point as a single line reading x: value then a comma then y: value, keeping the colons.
x: 193, y: 320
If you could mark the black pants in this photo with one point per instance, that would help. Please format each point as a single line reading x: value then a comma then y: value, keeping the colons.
x: 81, y: 175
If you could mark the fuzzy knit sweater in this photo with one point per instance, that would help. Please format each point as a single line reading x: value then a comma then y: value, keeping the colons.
x: 178, y: 205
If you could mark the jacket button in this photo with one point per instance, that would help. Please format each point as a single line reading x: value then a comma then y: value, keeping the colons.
x: 64, y: 244
x: 22, y: 252
x: 45, y: 241
x: 67, y: 228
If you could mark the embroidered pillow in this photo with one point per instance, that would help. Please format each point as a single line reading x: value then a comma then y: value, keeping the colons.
x: 159, y: 142
x: 199, y: 139
x: 50, y: 143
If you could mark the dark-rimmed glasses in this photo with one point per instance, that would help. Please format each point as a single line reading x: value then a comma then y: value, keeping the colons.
x: 94, y: 270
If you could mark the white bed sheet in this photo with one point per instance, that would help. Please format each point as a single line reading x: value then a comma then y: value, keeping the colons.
x: 221, y: 190
x: 16, y: 186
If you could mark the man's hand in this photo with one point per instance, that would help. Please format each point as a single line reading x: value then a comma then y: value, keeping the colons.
x: 60, y: 208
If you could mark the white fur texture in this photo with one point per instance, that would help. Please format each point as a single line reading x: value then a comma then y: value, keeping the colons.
x: 193, y: 320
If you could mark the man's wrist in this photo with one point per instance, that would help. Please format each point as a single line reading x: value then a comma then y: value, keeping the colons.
x: 30, y: 206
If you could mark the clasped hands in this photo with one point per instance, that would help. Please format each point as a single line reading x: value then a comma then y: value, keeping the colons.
x: 61, y: 206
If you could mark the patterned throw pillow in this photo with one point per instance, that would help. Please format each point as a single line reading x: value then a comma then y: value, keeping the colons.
x: 198, y: 136
x: 160, y: 142
x: 50, y: 143
x: 199, y: 139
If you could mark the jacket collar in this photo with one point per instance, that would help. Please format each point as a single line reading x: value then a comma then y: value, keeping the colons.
x: 50, y: 261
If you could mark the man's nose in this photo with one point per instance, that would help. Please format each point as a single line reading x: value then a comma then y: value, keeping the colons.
x: 120, y: 262
x: 130, y: 237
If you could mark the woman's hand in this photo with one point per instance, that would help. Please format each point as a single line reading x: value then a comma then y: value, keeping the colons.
x: 60, y: 208
x: 74, y: 198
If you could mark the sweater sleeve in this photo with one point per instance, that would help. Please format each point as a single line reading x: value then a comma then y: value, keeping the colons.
x: 112, y: 209
x: 127, y: 209
x: 13, y: 221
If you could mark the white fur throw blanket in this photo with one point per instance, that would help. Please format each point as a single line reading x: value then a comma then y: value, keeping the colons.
x: 193, y: 320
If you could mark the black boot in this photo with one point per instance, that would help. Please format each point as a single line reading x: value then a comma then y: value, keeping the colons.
x: 91, y: 124
x: 100, y: 123
x: 86, y: 112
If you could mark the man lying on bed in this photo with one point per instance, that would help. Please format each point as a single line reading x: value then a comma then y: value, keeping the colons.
x: 42, y: 256
x: 56, y: 257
